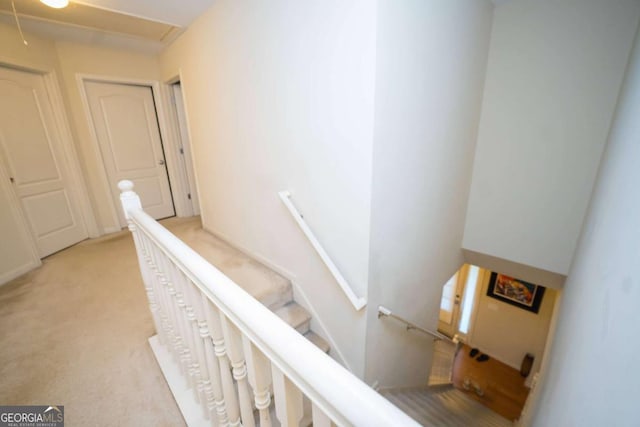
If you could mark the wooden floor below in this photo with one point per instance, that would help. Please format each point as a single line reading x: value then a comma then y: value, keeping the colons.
x: 502, y: 386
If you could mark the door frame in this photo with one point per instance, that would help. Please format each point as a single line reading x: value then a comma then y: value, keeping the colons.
x: 18, y: 214
x: 189, y: 207
x: 77, y: 184
x: 169, y: 143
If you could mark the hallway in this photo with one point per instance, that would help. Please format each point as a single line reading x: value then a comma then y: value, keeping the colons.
x: 74, y: 333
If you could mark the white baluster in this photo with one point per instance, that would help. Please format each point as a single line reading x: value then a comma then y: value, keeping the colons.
x: 171, y: 338
x: 147, y: 280
x: 320, y: 419
x: 259, y: 369
x: 288, y: 399
x: 213, y: 366
x: 234, y: 351
x: 176, y: 345
x: 181, y: 325
x: 192, y: 335
x: 160, y: 291
x: 194, y: 305
x: 217, y: 336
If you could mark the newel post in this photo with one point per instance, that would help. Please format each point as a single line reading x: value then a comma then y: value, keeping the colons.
x: 129, y: 198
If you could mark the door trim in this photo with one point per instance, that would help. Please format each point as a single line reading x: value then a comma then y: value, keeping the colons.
x: 168, y: 141
x: 77, y: 181
x: 19, y: 215
x: 183, y: 206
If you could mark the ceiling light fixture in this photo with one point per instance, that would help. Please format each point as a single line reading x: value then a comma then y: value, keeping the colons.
x: 56, y: 4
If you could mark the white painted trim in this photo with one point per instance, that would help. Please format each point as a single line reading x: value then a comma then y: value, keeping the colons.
x: 299, y: 296
x: 21, y: 64
x: 170, y: 146
x: 468, y: 338
x: 183, y: 395
x: 183, y: 206
x: 25, y: 230
x: 77, y: 182
x: 10, y: 275
x: 195, y: 191
x: 168, y: 141
x: 255, y: 255
x: 133, y: 15
x: 109, y: 230
x: 101, y: 172
x: 184, y: 134
x: 318, y: 326
x: 357, y: 302
x: 339, y: 394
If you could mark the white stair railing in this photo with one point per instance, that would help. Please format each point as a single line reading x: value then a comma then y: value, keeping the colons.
x: 232, y: 350
x: 358, y: 302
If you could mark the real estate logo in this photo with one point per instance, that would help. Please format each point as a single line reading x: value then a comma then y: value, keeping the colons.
x: 32, y: 416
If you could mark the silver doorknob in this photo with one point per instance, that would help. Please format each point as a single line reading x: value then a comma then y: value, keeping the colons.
x: 161, y: 162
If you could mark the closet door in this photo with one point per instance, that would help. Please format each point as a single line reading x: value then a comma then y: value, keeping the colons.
x: 124, y: 118
x: 32, y: 155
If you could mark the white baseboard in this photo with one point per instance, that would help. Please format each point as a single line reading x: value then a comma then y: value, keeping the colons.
x: 191, y: 411
x: 318, y: 326
x: 10, y: 275
x: 109, y: 230
x: 258, y: 257
x: 302, y: 300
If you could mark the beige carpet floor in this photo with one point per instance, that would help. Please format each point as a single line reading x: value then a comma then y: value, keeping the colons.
x: 74, y: 332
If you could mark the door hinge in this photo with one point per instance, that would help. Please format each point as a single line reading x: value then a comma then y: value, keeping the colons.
x: 189, y: 196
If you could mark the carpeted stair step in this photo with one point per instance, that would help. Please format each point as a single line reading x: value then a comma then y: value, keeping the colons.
x: 319, y: 342
x: 296, y: 316
x: 264, y: 284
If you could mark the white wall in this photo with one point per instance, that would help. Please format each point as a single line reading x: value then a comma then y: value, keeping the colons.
x: 593, y: 373
x: 555, y: 68
x: 508, y: 333
x: 431, y: 60
x: 280, y: 96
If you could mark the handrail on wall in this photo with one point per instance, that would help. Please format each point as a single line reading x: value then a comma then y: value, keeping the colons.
x: 383, y: 311
x: 358, y: 302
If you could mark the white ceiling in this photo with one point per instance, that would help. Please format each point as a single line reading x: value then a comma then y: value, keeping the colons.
x: 120, y: 32
x: 142, y: 25
x: 180, y: 13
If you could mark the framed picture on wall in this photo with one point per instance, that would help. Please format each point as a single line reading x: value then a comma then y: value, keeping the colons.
x: 516, y: 292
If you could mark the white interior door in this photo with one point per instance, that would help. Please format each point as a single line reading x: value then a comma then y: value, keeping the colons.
x: 450, y: 304
x: 33, y: 156
x: 126, y: 125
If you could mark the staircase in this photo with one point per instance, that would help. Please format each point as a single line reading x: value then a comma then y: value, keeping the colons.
x: 443, y: 406
x: 265, y: 285
x: 437, y: 404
